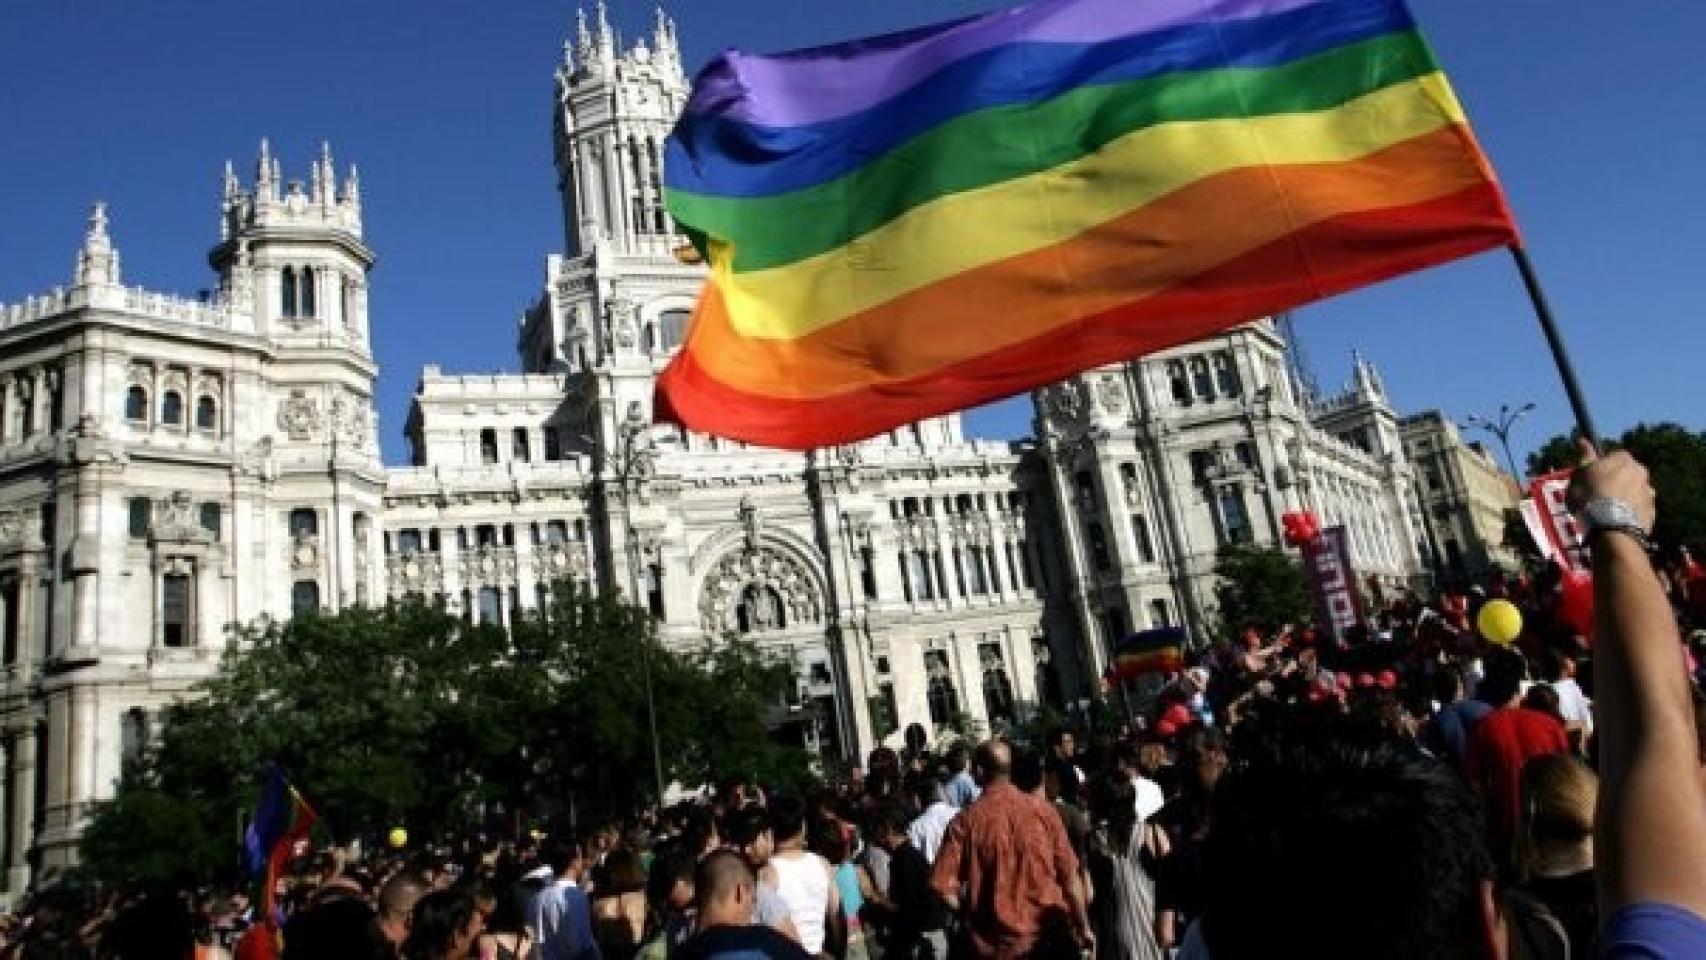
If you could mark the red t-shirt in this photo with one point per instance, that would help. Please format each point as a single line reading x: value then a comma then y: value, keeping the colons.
x: 1508, y: 738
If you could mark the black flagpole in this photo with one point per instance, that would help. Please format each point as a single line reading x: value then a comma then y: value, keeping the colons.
x: 1555, y: 340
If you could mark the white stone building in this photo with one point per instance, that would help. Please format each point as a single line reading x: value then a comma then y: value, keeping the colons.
x: 171, y: 466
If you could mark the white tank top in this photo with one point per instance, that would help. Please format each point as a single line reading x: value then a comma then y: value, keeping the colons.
x: 803, y: 884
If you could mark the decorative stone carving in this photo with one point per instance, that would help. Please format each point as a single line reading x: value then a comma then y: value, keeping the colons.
x: 175, y: 521
x: 777, y: 587
x: 489, y: 566
x: 1065, y: 402
x: 1111, y: 393
x: 298, y: 416
x: 349, y: 420
x: 11, y: 526
x: 750, y: 520
x: 619, y: 316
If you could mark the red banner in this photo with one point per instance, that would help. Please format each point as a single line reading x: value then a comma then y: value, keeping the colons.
x: 1328, y: 560
x: 1551, y: 522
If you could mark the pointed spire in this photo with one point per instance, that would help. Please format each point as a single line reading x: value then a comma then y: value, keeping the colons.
x: 97, y: 261
x: 352, y: 187
x: 568, y: 57
x: 663, y: 34
x: 583, y: 36
x: 328, y: 175
x: 317, y: 186
x: 605, y: 37
x: 232, y: 186
x: 1365, y: 379
x: 264, y: 168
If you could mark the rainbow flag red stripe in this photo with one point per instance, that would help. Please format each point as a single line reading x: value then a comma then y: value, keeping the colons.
x: 908, y: 225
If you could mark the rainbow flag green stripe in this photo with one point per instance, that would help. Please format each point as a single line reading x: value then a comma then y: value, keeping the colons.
x: 1024, y: 240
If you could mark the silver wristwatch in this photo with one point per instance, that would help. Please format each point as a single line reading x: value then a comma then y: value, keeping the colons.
x: 1613, y: 515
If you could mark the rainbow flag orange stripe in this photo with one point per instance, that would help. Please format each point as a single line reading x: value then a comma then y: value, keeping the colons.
x: 908, y: 225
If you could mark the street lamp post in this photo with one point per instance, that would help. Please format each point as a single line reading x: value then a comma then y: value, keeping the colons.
x: 627, y: 459
x: 1500, y: 427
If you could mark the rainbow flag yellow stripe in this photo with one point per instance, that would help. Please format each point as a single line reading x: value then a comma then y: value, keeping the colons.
x: 1012, y: 198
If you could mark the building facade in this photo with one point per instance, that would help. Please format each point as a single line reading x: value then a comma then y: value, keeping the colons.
x: 1466, y: 499
x: 171, y: 466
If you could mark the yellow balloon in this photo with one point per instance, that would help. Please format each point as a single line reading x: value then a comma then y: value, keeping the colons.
x: 398, y: 838
x: 1499, y: 621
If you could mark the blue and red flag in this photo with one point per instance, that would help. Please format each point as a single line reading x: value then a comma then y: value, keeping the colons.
x: 281, y: 819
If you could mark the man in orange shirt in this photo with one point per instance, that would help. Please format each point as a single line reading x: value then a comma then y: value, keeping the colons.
x: 1007, y: 867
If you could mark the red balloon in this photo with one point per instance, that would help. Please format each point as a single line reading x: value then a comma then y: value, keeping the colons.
x: 1575, y: 602
x: 1388, y: 680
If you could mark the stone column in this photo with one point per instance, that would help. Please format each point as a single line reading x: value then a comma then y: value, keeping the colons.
x: 21, y: 791
x: 1021, y: 670
x: 1076, y: 581
x: 40, y: 401
x: 968, y: 676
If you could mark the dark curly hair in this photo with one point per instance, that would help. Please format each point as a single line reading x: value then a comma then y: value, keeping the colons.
x: 1321, y: 811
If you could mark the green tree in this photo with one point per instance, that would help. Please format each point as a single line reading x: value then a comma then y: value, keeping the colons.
x: 144, y: 836
x: 1676, y: 458
x: 1260, y: 587
x: 1558, y: 453
x: 407, y: 715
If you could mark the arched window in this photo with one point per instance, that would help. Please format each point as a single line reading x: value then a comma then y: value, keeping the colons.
x: 639, y: 185
x: 1178, y: 384
x: 943, y: 699
x: 304, y: 522
x: 1201, y: 383
x: 287, y: 292
x: 307, y: 298
x: 1158, y: 615
x: 136, y: 404
x: 206, y: 413
x: 660, y: 221
x: 172, y: 408
x: 344, y: 284
x: 997, y: 689
x: 1226, y: 375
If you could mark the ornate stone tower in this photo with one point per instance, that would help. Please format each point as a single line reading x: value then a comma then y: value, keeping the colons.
x: 293, y: 265
x: 614, y: 111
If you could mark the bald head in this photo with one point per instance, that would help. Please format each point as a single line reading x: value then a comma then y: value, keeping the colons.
x: 725, y: 889
x: 397, y: 899
x: 993, y: 760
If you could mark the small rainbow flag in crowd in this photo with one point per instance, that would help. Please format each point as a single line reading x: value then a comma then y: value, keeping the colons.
x: 1161, y: 650
x: 911, y: 224
x: 281, y: 819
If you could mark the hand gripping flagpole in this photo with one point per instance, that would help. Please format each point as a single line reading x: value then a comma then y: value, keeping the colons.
x: 1555, y: 340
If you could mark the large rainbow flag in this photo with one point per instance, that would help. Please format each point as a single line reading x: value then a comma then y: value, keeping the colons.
x: 911, y: 224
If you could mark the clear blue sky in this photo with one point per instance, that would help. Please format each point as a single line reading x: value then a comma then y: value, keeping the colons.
x: 1591, y: 111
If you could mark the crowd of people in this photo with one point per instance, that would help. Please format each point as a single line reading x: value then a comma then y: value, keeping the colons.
x: 1420, y: 792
